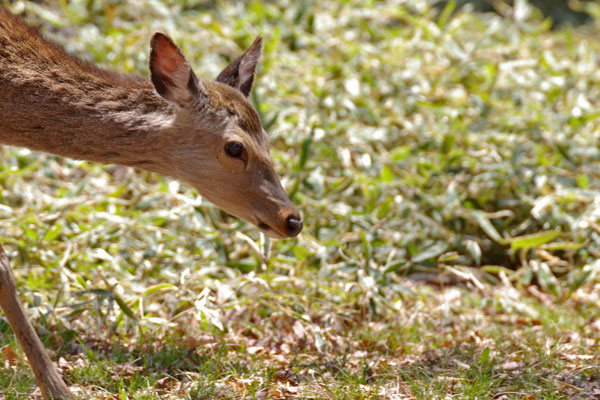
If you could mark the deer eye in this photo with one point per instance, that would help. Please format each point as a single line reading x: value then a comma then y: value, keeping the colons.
x: 234, y: 149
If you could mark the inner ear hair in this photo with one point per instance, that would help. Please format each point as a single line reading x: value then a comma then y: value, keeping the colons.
x: 170, y: 72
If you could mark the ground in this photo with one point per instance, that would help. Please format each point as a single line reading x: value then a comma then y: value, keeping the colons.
x: 446, y: 163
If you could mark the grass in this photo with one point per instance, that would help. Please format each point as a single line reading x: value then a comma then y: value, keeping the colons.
x: 446, y: 167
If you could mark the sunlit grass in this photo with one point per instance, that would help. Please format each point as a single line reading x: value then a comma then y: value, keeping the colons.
x: 447, y: 171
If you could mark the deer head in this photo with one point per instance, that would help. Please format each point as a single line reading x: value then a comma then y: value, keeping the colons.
x: 219, y: 135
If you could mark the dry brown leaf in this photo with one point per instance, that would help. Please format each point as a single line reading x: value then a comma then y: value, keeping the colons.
x: 10, y: 355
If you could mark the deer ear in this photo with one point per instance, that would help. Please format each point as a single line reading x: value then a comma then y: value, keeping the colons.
x: 240, y: 73
x: 170, y: 72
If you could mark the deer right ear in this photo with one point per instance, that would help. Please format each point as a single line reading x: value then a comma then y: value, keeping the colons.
x: 240, y: 73
x: 170, y: 72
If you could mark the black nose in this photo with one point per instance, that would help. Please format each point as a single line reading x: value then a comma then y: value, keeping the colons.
x: 294, y: 225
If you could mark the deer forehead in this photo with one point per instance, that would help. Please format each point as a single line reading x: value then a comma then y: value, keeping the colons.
x: 223, y: 97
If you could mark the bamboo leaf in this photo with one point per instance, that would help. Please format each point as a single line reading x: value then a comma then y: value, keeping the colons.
x: 532, y: 241
x: 126, y: 310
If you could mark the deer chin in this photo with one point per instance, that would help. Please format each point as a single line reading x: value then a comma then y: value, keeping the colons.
x: 267, y: 230
x: 258, y: 222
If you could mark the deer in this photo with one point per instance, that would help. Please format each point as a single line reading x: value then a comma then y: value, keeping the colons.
x: 202, y: 132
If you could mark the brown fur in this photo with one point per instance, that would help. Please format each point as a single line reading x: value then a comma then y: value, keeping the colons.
x: 224, y: 97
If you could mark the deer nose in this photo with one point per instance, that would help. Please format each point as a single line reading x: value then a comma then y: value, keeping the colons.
x: 294, y: 225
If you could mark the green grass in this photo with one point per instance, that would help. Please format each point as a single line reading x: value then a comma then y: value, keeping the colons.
x: 448, y: 172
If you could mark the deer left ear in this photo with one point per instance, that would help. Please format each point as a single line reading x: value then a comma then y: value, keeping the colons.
x: 240, y: 73
x: 170, y: 72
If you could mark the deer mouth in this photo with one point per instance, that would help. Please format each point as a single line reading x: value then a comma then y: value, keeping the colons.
x: 268, y: 230
x: 263, y: 226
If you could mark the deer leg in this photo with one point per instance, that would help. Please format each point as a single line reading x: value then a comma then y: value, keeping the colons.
x: 46, y: 374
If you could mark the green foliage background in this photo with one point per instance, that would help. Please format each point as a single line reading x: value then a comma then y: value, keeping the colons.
x: 452, y: 148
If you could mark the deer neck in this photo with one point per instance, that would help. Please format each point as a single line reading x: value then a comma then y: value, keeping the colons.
x: 53, y: 102
x: 102, y: 118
